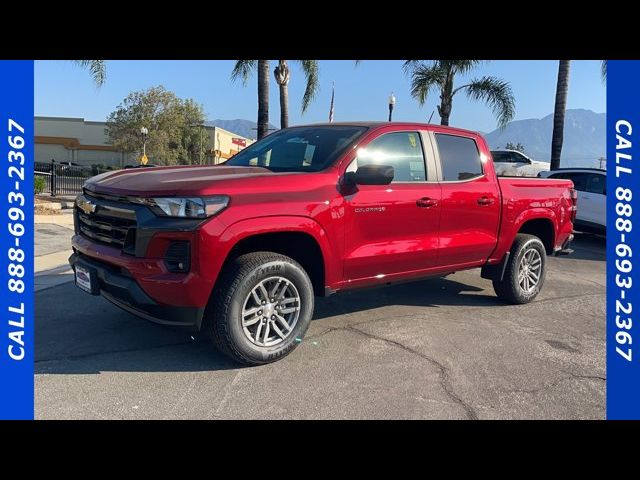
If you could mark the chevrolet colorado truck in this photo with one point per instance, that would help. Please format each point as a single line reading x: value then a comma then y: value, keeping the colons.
x: 239, y: 250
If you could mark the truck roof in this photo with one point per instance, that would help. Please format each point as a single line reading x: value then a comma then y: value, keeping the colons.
x: 372, y: 124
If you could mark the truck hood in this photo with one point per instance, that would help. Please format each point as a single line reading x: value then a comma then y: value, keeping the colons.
x: 180, y: 180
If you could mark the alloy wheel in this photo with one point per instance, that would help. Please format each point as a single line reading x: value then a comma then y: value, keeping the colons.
x: 270, y: 311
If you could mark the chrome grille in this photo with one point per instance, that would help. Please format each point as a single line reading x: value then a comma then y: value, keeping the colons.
x: 109, y: 225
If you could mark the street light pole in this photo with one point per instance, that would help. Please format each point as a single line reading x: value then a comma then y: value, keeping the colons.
x: 201, y: 131
x: 144, y: 132
x: 392, y: 102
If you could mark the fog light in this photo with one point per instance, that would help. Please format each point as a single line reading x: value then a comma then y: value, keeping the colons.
x: 178, y: 257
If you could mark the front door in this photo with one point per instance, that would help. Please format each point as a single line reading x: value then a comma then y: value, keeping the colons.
x: 392, y: 229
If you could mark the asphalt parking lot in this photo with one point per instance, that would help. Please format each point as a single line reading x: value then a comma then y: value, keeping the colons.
x: 436, y: 349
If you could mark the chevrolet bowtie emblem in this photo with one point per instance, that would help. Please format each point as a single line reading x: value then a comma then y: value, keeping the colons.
x: 87, y: 207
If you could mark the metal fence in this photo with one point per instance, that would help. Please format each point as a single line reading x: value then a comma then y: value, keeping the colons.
x: 63, y: 178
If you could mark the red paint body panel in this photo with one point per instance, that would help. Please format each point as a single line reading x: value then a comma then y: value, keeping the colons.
x: 373, y: 235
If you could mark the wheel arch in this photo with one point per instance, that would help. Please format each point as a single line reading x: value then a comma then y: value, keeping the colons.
x: 299, y: 238
x: 541, y: 227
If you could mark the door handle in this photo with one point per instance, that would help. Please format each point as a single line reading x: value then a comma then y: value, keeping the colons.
x: 485, y: 201
x: 426, y: 202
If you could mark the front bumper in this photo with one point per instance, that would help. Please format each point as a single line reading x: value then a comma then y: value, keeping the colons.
x: 145, y: 253
x: 118, y: 286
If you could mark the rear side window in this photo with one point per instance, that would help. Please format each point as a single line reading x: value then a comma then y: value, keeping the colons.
x: 579, y: 179
x: 401, y: 150
x: 459, y: 157
x: 503, y: 157
x: 597, y: 183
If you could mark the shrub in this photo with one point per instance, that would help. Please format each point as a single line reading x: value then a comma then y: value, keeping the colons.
x: 38, y: 185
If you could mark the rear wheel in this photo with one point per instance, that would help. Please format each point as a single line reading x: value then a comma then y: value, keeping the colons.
x: 261, y: 308
x: 525, y: 271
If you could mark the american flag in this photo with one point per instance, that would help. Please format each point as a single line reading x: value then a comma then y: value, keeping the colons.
x: 333, y: 92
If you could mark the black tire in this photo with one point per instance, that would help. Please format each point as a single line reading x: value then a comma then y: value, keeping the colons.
x: 223, y: 317
x: 509, y: 288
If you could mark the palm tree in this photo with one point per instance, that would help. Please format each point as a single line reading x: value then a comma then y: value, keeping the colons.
x: 440, y: 75
x: 97, y: 69
x: 562, y: 89
x: 283, y: 74
x: 242, y: 70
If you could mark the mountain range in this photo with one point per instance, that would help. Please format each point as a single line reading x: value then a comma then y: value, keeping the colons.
x: 584, y: 137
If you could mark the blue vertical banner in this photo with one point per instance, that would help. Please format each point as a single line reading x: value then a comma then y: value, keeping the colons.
x: 623, y: 247
x: 16, y: 239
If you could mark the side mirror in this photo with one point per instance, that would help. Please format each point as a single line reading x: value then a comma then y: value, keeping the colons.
x: 370, y: 175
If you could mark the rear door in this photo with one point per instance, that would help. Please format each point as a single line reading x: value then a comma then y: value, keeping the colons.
x: 393, y: 229
x: 470, y: 202
x: 595, y: 196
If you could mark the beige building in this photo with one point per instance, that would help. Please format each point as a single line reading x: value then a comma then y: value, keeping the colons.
x: 84, y: 142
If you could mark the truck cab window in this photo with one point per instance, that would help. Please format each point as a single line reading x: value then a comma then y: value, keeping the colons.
x: 459, y: 157
x: 401, y: 150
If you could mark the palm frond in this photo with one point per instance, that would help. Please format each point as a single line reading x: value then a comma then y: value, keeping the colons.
x: 424, y: 78
x: 97, y: 69
x: 312, y: 75
x: 242, y: 70
x: 461, y: 66
x: 496, y: 93
x: 408, y: 66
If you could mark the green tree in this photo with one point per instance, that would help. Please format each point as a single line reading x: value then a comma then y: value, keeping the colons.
x: 97, y: 69
x: 282, y: 73
x: 515, y: 146
x: 174, y: 134
x: 439, y: 75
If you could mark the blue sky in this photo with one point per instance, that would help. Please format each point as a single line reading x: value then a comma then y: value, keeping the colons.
x: 63, y: 89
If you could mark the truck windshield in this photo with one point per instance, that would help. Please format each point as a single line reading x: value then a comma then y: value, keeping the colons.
x: 299, y: 149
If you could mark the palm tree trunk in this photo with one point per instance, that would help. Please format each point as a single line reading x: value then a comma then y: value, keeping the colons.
x: 282, y: 75
x: 445, y: 112
x: 284, y: 106
x: 446, y: 100
x: 558, y: 115
x: 263, y: 98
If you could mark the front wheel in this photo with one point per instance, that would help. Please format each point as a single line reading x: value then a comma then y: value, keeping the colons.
x: 525, y: 271
x: 261, y: 309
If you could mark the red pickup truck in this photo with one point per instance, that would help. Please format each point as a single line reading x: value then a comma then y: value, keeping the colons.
x: 239, y: 250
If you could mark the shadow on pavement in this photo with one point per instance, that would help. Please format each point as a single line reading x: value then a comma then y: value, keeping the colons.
x: 432, y: 292
x: 80, y: 334
x: 588, y: 246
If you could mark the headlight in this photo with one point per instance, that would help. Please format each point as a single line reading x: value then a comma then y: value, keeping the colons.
x: 186, y: 207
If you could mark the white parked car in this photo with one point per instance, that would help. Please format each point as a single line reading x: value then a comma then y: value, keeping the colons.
x: 591, y: 184
x: 512, y: 163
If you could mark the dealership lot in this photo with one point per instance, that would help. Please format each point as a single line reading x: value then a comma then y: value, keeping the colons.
x: 439, y: 348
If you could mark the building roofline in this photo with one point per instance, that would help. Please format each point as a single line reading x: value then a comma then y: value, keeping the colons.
x: 68, y: 119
